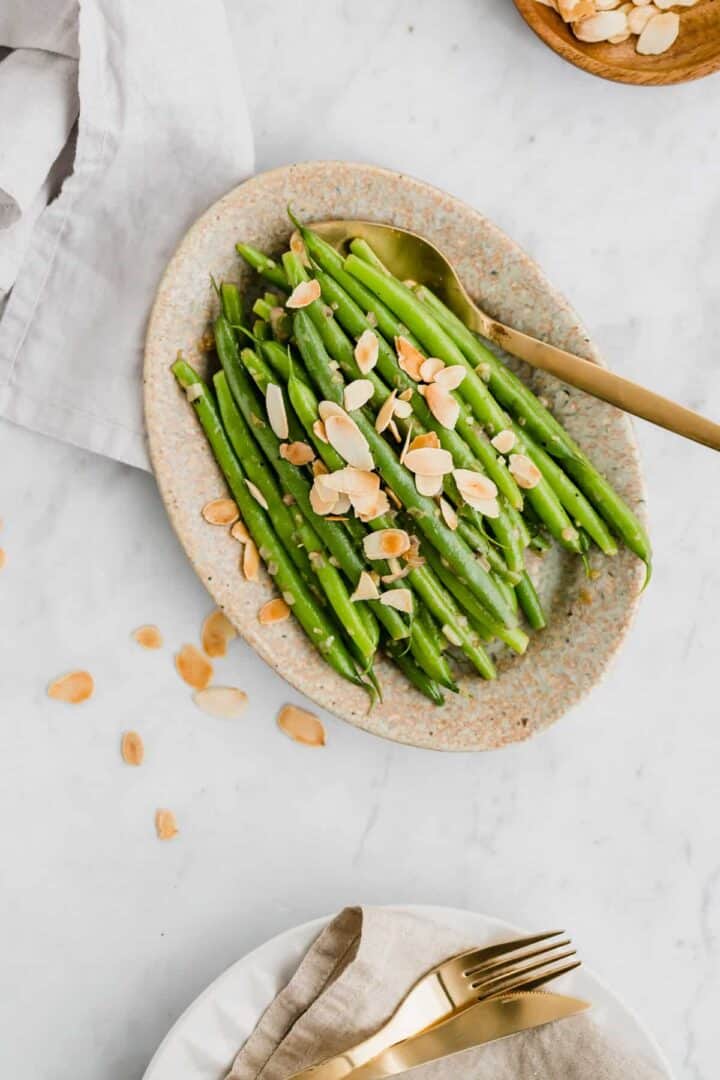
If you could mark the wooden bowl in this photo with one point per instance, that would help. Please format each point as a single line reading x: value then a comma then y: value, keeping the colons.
x: 695, y: 53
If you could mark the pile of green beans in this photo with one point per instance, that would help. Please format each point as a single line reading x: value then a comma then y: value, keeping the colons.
x: 464, y: 582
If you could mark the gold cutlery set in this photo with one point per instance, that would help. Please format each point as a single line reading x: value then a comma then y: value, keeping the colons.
x: 477, y: 997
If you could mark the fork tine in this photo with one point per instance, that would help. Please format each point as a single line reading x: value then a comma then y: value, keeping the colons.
x: 521, y: 970
x: 474, y: 957
x: 502, y: 962
x: 525, y: 984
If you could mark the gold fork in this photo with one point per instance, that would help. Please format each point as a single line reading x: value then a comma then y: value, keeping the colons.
x: 475, y: 975
x: 409, y: 256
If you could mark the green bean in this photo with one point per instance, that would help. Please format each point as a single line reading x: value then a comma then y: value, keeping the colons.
x: 263, y: 264
x: 530, y: 602
x: 355, y: 619
x: 415, y: 674
x: 539, y: 421
x: 319, y: 629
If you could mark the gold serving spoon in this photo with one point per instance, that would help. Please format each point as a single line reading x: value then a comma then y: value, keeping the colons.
x: 409, y: 256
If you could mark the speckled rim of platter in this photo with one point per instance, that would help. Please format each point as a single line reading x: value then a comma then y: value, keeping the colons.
x: 587, y: 620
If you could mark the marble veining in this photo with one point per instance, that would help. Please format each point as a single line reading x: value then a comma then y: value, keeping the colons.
x: 606, y: 824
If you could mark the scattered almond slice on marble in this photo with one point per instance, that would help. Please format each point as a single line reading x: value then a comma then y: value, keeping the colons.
x: 132, y: 749
x: 302, y: 726
x: 277, y: 414
x: 223, y: 702
x: 73, y: 688
x: 256, y: 494
x: 526, y: 473
x: 148, y: 636
x: 357, y: 393
x: 250, y: 561
x: 297, y: 453
x: 449, y: 514
x: 216, y: 631
x: 451, y: 377
x: 273, y: 612
x: 3, y: 558
x: 400, y: 599
x: 409, y: 358
x: 430, y: 368
x: 239, y: 532
x: 659, y: 34
x: 193, y: 667
x: 504, y: 441
x: 346, y: 437
x: 221, y: 512
x: 165, y: 824
x: 441, y: 403
x: 366, y: 588
x: 366, y: 351
x: 304, y: 294
x: 386, y: 544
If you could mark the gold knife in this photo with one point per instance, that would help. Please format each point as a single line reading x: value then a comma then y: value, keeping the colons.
x: 474, y: 1026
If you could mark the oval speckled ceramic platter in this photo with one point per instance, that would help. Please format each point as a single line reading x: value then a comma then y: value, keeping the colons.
x: 587, y: 619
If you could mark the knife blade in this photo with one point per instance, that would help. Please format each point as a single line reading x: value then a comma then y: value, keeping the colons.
x: 474, y: 1026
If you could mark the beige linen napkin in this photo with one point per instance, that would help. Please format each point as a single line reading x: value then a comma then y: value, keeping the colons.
x: 352, y: 978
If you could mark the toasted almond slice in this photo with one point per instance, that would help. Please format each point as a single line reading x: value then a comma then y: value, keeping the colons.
x: 409, y: 358
x: 297, y: 453
x: 357, y: 393
x: 665, y: 4
x: 385, y: 412
x: 659, y: 34
x: 239, y: 532
x: 341, y: 505
x: 572, y: 10
x: 617, y: 39
x: 256, y: 494
x: 369, y: 507
x: 386, y: 543
x: 504, y: 441
x: 429, y: 439
x: 302, y: 726
x: 351, y: 481
x: 304, y: 294
x: 525, y: 471
x: 406, y: 394
x: 473, y: 486
x: 449, y: 514
x: 346, y: 437
x: 319, y: 468
x: 488, y: 507
x: 606, y: 5
x: 193, y: 667
x: 319, y: 431
x: 394, y: 430
x: 640, y: 16
x: 224, y: 702
x: 453, y: 637
x: 429, y: 461
x: 366, y: 351
x: 569, y: 533
x: 393, y: 498
x: 400, y: 599
x: 132, y: 749
x: 297, y: 247
x: 600, y: 27
x: 403, y: 409
x: 330, y: 408
x: 428, y: 485
x: 165, y: 824
x: 193, y: 392
x: 216, y: 631
x: 407, y: 444
x: 274, y: 611
x: 442, y: 405
x: 430, y: 367
x: 320, y: 501
x: 220, y: 512
x: 366, y: 588
x: 148, y: 636
x: 277, y: 414
x: 72, y: 688
x: 451, y: 377
x: 250, y: 561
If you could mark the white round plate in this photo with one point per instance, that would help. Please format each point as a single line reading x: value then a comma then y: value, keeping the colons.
x: 201, y: 1045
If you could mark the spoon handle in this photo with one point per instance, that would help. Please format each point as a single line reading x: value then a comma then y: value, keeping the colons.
x: 604, y: 384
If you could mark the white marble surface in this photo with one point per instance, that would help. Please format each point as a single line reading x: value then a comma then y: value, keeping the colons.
x: 608, y: 824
